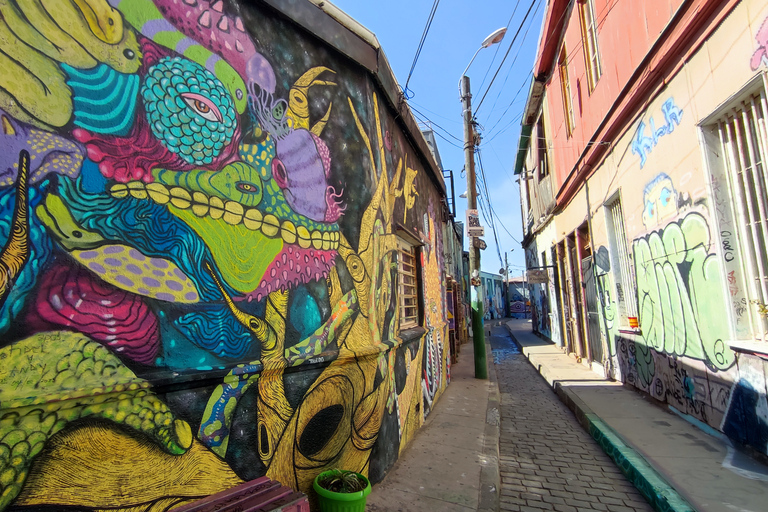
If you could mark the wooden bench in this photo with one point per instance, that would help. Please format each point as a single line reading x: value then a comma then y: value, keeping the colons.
x: 259, y: 495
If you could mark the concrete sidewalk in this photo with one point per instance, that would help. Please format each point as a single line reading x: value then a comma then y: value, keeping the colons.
x: 676, y: 465
x: 452, y: 462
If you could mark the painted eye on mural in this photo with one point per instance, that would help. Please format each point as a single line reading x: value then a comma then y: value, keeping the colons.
x: 298, y: 98
x: 649, y: 209
x: 247, y: 188
x: 665, y: 196
x: 202, y: 106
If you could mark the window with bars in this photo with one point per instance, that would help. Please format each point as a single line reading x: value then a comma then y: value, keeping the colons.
x: 589, y: 42
x: 408, y: 284
x: 565, y: 89
x: 624, y: 284
x: 743, y: 144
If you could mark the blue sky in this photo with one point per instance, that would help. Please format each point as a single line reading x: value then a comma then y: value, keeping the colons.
x: 458, y: 29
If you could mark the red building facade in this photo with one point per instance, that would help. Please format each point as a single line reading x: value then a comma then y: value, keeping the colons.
x: 645, y: 195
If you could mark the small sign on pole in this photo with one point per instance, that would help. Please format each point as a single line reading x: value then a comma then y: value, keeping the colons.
x: 479, y: 243
x: 538, y: 276
x: 473, y: 224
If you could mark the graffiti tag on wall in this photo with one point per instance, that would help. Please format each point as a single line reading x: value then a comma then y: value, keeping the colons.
x: 644, y: 142
x: 679, y: 294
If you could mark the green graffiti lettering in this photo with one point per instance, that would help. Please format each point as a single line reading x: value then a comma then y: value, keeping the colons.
x: 680, y: 296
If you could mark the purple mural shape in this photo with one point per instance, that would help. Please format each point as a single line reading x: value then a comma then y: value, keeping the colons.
x: 50, y: 153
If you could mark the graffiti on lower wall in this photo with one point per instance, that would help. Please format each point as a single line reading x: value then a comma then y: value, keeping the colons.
x: 177, y: 209
x: 733, y: 400
x: 682, y: 355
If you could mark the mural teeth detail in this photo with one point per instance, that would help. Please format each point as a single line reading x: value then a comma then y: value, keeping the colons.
x: 180, y: 198
x: 232, y: 212
x: 137, y: 189
x: 303, y: 235
x: 158, y: 193
x: 288, y: 232
x: 253, y: 219
x: 271, y: 226
x: 216, y: 208
x: 119, y: 191
x: 317, y: 240
x: 199, y: 204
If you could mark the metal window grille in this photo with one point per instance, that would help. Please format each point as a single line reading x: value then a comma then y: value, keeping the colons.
x: 625, y: 288
x: 565, y: 88
x: 589, y: 37
x: 407, y: 285
x: 742, y: 134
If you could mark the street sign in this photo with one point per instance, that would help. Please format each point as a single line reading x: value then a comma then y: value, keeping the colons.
x: 479, y: 243
x: 473, y: 224
x: 538, y: 276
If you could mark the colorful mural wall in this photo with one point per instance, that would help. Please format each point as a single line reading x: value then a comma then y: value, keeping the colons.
x: 199, y: 262
x: 492, y: 290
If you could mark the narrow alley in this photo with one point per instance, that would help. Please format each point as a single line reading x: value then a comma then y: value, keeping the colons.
x: 546, y: 460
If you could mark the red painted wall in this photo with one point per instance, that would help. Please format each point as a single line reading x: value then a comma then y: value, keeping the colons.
x: 626, y: 32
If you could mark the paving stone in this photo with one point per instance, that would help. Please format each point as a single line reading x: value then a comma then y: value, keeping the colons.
x: 546, y: 459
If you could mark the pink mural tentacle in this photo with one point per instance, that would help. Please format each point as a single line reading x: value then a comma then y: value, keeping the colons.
x: 72, y: 298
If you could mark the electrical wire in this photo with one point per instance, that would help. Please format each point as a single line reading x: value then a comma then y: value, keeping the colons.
x: 490, y: 207
x: 413, y: 104
x: 511, y: 44
x: 498, y: 47
x: 573, y: 53
x: 407, y: 92
x: 428, y: 122
x: 424, y: 116
x: 506, y: 109
x: 512, y: 66
x: 506, y: 127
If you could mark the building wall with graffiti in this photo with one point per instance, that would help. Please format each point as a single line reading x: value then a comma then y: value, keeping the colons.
x: 661, y: 240
x: 201, y: 204
x: 492, y: 289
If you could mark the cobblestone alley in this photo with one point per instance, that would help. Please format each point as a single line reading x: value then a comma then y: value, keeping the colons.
x: 546, y: 460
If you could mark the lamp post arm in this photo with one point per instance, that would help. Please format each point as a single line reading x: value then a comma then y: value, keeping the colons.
x: 467, y: 68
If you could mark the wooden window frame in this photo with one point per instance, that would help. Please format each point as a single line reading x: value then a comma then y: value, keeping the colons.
x: 565, y: 89
x: 541, y: 147
x: 590, y: 42
x: 409, y: 296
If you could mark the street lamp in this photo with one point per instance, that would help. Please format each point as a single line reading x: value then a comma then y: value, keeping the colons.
x: 494, y: 37
x: 478, y: 337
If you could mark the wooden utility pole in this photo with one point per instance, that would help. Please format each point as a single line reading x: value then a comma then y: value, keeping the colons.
x: 478, y: 336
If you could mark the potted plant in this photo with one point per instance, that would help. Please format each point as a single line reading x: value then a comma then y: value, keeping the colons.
x: 341, y: 490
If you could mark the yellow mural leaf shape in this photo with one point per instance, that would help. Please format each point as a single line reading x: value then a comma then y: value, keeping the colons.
x: 88, y: 467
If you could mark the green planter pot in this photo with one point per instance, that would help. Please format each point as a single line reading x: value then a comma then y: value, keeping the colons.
x: 341, y: 501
